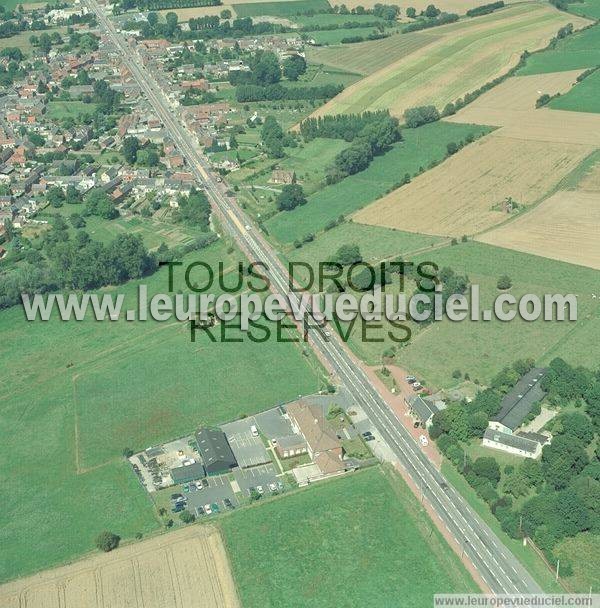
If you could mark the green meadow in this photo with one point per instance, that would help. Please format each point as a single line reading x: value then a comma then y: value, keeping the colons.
x: 74, y: 395
x: 420, y: 148
x: 360, y: 540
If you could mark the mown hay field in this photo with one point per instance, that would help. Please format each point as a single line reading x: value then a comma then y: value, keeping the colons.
x: 464, y: 194
x: 469, y: 54
x: 563, y: 227
x: 359, y: 540
x: 184, y: 568
x: 185, y: 14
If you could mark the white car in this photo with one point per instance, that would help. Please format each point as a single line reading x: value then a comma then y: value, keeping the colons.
x: 423, y: 440
x: 260, y: 489
x: 198, y: 485
x: 272, y: 487
x: 207, y: 509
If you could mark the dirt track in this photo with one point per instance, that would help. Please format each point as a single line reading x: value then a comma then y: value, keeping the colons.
x: 183, y: 569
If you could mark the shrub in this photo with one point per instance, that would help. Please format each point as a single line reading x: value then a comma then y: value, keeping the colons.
x: 107, y: 541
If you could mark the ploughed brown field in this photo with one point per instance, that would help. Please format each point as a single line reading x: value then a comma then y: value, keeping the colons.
x: 183, y: 569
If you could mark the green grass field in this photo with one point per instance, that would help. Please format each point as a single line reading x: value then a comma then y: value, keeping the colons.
x: 153, y: 232
x: 58, y: 110
x: 584, y: 553
x: 327, y: 37
x: 362, y: 540
x: 74, y: 395
x: 324, y: 19
x: 579, y: 51
x: 367, y: 57
x: 420, y: 148
x: 483, y: 348
x: 280, y: 9
x: 583, y: 97
x: 586, y: 8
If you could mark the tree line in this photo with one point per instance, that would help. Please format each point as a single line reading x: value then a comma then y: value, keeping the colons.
x: 340, y: 126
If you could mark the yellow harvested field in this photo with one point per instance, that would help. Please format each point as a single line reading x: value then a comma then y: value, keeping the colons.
x: 185, y: 14
x: 564, y: 227
x: 464, y: 194
x: 511, y: 105
x: 467, y: 55
x: 184, y: 568
x: 591, y: 180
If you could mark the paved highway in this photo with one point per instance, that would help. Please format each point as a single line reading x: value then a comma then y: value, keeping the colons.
x: 500, y: 570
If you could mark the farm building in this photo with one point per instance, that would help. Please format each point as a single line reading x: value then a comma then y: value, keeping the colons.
x: 188, y: 473
x: 215, y: 451
x: 528, y: 445
x: 517, y: 403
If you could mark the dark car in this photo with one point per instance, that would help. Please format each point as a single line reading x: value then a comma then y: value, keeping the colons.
x: 200, y: 510
x: 367, y: 434
x: 178, y: 507
x: 205, y: 483
x: 176, y: 496
x: 228, y: 503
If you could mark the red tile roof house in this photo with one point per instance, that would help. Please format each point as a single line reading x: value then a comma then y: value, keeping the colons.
x: 324, y: 447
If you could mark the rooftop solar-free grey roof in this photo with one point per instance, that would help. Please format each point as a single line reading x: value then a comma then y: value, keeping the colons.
x: 423, y: 409
x: 518, y: 402
x: 513, y: 441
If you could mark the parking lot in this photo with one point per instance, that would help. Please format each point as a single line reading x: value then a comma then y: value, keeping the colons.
x: 249, y: 451
x: 219, y: 488
x: 257, y: 476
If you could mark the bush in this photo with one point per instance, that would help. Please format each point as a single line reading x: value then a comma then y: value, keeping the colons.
x: 504, y: 282
x: 415, y: 117
x: 186, y: 517
x: 107, y: 541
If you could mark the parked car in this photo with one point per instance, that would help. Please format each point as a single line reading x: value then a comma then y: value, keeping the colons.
x: 423, y: 440
x: 199, y: 511
x: 367, y: 434
x: 228, y: 503
x: 254, y: 431
x: 176, y: 496
x: 417, y: 386
x: 260, y: 489
x: 199, y: 485
x: 177, y: 507
x: 205, y: 482
x: 369, y: 438
x: 411, y: 379
x: 207, y: 509
x: 272, y: 487
x: 186, y: 488
x: 214, y: 507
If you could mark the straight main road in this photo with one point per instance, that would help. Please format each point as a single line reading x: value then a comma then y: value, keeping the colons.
x: 496, y: 565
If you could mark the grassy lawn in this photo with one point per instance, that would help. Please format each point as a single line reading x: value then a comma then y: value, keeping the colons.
x: 325, y: 37
x: 419, y: 149
x: 584, y: 553
x: 153, y: 232
x: 483, y: 348
x: 365, y: 534
x: 279, y: 9
x: 58, y: 110
x: 74, y: 395
x: 583, y: 97
x: 325, y: 19
x: 375, y: 243
x: 525, y: 555
x: 586, y: 8
x: 579, y: 51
